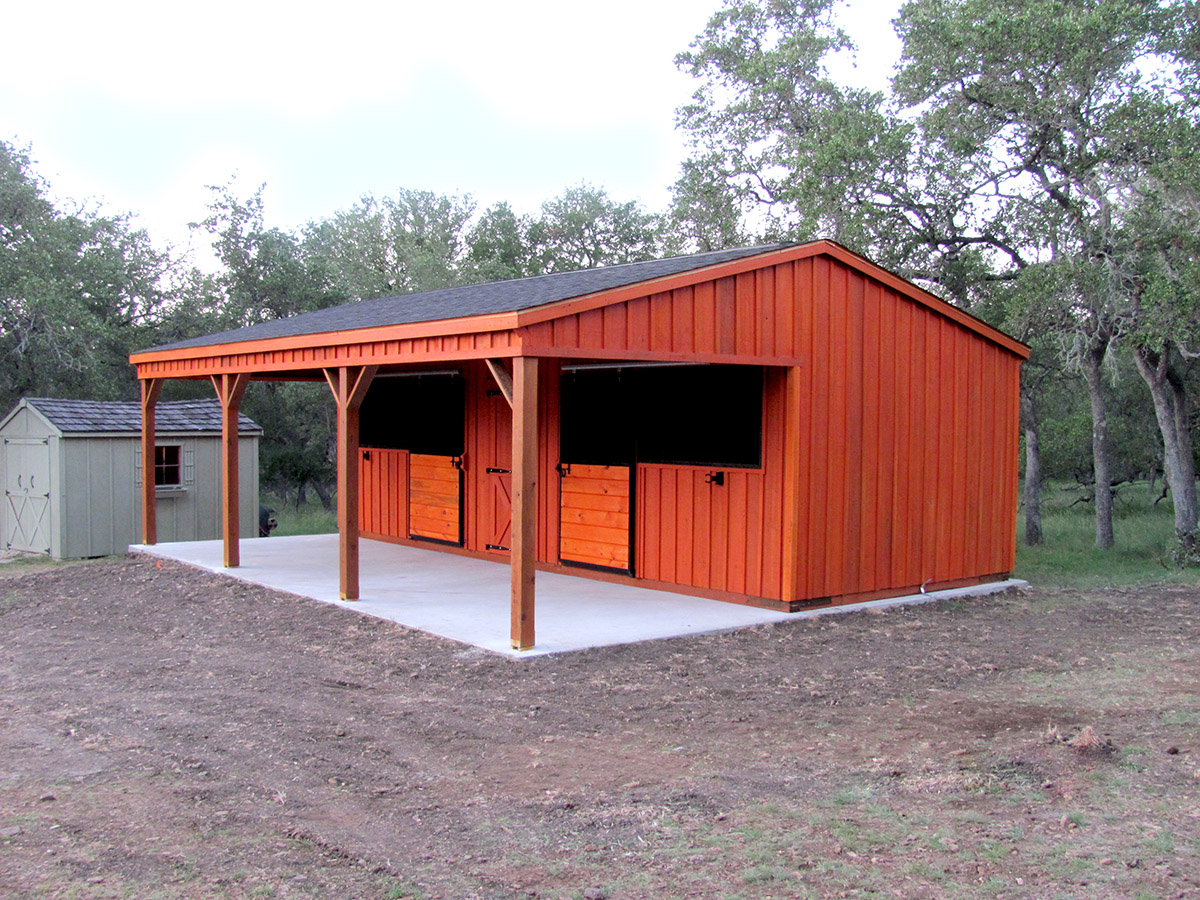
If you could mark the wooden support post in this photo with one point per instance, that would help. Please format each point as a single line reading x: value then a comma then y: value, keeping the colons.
x: 349, y: 385
x: 791, y: 485
x: 230, y: 389
x: 524, y: 498
x: 503, y: 379
x: 151, y: 388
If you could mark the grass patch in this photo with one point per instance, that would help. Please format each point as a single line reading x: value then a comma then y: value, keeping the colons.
x: 1068, y: 556
x: 309, y: 517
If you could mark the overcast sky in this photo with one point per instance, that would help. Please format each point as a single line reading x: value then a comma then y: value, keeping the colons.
x: 138, y: 105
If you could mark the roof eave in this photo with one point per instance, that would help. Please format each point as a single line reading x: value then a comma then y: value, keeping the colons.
x: 584, y: 302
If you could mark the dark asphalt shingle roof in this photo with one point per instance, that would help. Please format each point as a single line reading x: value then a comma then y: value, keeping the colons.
x: 471, y: 300
x: 108, y: 416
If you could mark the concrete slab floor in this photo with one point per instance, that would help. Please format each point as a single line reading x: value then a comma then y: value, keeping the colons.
x: 467, y: 600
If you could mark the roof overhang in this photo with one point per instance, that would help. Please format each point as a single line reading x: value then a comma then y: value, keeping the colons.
x: 296, y: 356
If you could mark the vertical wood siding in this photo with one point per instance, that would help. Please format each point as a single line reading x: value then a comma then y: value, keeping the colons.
x: 489, y: 445
x: 383, y: 492
x: 909, y: 444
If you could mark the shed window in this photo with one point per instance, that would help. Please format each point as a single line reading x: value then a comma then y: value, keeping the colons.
x: 168, y: 469
x: 418, y: 413
x: 681, y: 415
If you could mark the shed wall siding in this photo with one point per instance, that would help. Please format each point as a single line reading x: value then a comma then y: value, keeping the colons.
x: 101, y: 502
x: 909, y: 445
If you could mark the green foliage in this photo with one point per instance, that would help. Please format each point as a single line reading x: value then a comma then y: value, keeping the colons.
x: 299, y: 428
x: 78, y: 291
x: 414, y: 241
x: 583, y: 228
x: 300, y: 516
x: 501, y: 246
x: 266, y: 273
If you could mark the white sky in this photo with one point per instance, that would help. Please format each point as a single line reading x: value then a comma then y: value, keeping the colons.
x: 138, y: 104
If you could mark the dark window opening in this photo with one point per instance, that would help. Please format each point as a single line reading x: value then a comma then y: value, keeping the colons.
x: 168, y: 472
x: 597, y: 421
x: 419, y: 413
x: 678, y: 415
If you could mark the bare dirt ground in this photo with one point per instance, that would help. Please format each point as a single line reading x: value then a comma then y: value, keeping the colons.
x: 166, y: 733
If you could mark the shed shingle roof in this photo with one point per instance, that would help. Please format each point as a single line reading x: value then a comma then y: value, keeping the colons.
x: 109, y: 416
x: 471, y: 300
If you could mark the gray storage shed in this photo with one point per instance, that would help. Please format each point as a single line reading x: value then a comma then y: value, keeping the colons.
x: 72, y: 474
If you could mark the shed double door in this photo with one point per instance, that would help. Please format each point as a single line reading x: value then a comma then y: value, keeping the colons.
x: 27, y: 495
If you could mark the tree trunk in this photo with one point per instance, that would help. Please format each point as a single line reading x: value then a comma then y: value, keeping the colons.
x: 1187, y: 457
x: 1177, y: 442
x: 1033, y: 470
x: 324, y: 494
x: 1102, y: 471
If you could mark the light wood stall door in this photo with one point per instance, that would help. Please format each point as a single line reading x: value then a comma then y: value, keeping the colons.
x: 435, y: 498
x: 595, y: 516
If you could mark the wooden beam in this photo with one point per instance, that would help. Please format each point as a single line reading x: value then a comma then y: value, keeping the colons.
x: 791, y: 485
x: 230, y: 389
x: 503, y: 378
x: 349, y: 385
x: 524, y: 498
x: 151, y: 389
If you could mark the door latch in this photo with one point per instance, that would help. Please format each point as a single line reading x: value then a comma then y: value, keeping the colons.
x: 717, y: 478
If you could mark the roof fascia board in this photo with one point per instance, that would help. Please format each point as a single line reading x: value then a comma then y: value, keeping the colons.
x: 414, y: 330
x: 274, y: 370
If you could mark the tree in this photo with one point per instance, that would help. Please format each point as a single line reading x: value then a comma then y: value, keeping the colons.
x: 1057, y: 97
x: 414, y: 241
x: 266, y: 273
x: 583, y: 228
x: 78, y: 292
x: 502, y: 245
x: 704, y: 208
x: 1014, y: 138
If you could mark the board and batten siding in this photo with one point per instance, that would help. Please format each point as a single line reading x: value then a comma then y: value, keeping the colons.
x: 383, y: 493
x: 907, y: 439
